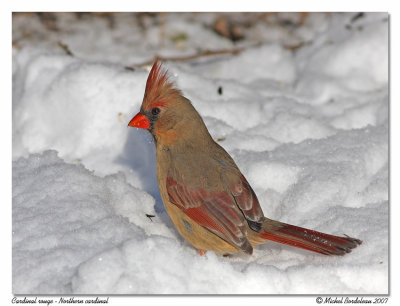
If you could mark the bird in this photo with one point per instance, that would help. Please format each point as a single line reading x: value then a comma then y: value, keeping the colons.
x: 208, y: 199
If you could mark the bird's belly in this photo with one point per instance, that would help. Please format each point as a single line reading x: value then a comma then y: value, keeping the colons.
x: 195, y: 234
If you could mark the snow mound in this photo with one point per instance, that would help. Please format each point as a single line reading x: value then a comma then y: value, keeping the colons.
x: 75, y: 232
x: 63, y: 215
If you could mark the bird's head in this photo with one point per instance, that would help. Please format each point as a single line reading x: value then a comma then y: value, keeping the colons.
x: 164, y: 109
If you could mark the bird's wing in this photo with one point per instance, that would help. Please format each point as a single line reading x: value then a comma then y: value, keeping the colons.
x: 217, y: 211
x: 248, y: 203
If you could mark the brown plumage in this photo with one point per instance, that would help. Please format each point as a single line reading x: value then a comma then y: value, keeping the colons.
x: 206, y: 196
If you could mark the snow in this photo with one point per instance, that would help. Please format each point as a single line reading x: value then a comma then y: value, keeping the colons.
x: 308, y: 128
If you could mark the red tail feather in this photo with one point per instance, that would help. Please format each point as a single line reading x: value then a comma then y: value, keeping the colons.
x: 307, y: 239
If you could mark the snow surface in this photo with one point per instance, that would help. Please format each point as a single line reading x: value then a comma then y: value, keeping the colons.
x: 309, y: 130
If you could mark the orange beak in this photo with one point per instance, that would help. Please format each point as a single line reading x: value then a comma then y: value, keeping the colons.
x: 140, y: 121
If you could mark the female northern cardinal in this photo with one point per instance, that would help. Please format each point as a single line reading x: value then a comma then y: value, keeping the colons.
x: 206, y: 196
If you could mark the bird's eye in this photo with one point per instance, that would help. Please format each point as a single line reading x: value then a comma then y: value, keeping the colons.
x: 155, y: 111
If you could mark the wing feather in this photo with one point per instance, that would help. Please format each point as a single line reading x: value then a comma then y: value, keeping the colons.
x: 248, y: 202
x: 215, y: 210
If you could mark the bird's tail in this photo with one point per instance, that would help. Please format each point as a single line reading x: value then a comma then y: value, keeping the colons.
x: 307, y: 239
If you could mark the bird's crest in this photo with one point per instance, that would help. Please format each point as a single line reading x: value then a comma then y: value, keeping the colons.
x: 159, y: 89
